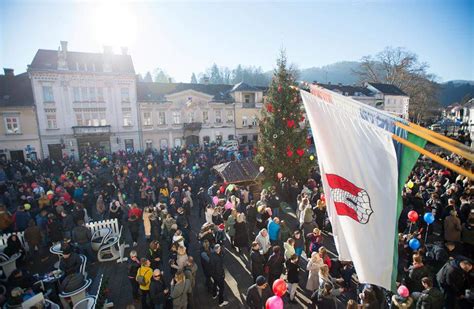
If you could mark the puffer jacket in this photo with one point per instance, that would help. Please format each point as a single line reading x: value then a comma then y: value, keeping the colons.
x: 289, y: 250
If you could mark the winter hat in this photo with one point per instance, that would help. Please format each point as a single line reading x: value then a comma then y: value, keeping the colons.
x: 403, y: 291
x: 260, y: 280
x: 221, y: 227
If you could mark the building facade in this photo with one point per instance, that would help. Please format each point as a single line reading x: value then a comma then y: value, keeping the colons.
x: 382, y: 96
x: 84, y: 101
x: 175, y: 114
x: 19, y: 139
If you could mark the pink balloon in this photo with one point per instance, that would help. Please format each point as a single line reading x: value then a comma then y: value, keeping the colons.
x: 228, y: 205
x: 274, y: 302
x: 215, y: 200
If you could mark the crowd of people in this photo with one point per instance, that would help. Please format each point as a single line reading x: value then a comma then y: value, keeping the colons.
x: 155, y: 195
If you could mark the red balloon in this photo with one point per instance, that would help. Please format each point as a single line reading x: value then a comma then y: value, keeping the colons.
x: 63, y: 177
x: 412, y: 216
x: 145, y: 179
x: 279, y: 287
x: 50, y: 196
x: 322, y: 197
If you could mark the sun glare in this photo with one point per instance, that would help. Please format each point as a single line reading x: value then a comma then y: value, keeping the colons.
x: 115, y: 24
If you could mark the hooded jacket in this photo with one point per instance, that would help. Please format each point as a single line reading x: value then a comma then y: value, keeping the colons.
x: 289, y: 250
x: 264, y: 242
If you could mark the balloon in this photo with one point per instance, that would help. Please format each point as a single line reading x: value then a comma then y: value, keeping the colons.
x: 279, y: 287
x: 215, y: 200
x: 228, y: 205
x: 50, y: 196
x: 230, y: 187
x: 150, y: 166
x: 414, y: 244
x: 412, y: 216
x: 311, y: 157
x: 261, y: 169
x: 410, y: 184
x: 280, y: 175
x: 27, y: 206
x: 322, y: 197
x: 140, y: 174
x: 129, y: 164
x: 144, y: 179
x: 429, y: 218
x: 274, y: 302
x: 79, y: 178
x: 403, y: 291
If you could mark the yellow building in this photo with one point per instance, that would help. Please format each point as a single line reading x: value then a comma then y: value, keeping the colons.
x: 19, y: 139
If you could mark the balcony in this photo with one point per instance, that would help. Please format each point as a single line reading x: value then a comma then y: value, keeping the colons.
x: 192, y: 126
x: 91, y: 130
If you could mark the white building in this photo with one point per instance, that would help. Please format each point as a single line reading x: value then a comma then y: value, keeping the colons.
x: 175, y: 114
x: 382, y: 96
x: 84, y: 101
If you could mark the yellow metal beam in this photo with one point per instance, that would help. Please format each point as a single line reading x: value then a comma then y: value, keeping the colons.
x: 434, y: 157
x: 434, y: 140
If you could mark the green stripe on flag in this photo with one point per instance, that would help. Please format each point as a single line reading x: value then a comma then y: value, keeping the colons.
x: 408, y: 161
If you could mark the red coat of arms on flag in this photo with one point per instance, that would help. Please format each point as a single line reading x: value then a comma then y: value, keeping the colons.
x: 349, y: 199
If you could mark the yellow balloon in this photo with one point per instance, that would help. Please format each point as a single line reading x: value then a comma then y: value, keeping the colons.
x: 311, y: 157
x: 150, y: 166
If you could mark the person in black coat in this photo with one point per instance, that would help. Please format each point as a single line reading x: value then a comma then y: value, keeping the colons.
x: 257, y: 261
x: 70, y: 263
x: 293, y: 277
x: 276, y: 265
x: 430, y: 297
x: 158, y: 290
x: 205, y: 262
x: 217, y: 273
x: 453, y: 280
x: 258, y: 294
x: 252, y: 214
x: 241, y: 238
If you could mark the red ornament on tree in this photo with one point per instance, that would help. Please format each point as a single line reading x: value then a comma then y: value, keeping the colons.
x: 300, y: 152
x: 269, y: 108
x: 308, y: 141
x: 290, y: 123
x: 289, y: 152
x: 280, y: 88
x: 302, y: 119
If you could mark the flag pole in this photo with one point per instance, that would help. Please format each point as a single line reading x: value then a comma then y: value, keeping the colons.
x: 436, y: 141
x: 434, y: 157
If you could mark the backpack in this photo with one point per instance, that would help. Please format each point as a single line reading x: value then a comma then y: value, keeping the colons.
x: 72, y: 282
x: 141, y: 278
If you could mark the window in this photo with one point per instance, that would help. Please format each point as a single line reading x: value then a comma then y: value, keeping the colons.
x: 92, y: 96
x: 77, y: 94
x: 90, y: 116
x: 51, y: 121
x: 177, y: 142
x: 161, y: 118
x: 254, y: 121
x: 190, y: 116
x: 125, y: 94
x: 48, y: 94
x: 205, y: 117
x: 129, y: 145
x: 218, y: 117
x: 147, y: 118
x: 164, y: 143
x: 127, y: 117
x: 100, y: 94
x: 230, y: 137
x: 176, y: 118
x: 245, y: 121
x: 230, y: 116
x: 149, y: 144
x: 247, y: 98
x: 12, y: 124
x: 255, y: 138
x: 85, y: 97
x: 244, y: 138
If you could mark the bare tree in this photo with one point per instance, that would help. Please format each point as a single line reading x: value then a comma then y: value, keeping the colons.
x: 400, y: 67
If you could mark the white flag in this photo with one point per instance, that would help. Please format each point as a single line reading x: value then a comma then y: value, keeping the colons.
x: 359, y: 173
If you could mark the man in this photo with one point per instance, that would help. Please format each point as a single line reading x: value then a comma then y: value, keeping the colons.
x: 158, y: 290
x: 430, y: 297
x: 453, y: 280
x: 202, y: 199
x: 190, y: 271
x: 257, y: 261
x: 251, y: 217
x: 218, y: 275
x: 258, y: 293
x: 71, y: 262
x: 274, y: 230
x: 83, y: 236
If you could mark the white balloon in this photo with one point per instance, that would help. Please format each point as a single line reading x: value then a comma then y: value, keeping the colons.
x: 261, y: 169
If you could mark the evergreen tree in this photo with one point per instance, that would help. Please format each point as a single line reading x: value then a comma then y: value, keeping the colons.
x: 193, y: 79
x: 282, y: 146
x: 147, y: 77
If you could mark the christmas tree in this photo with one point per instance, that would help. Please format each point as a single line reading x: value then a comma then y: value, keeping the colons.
x: 283, y: 143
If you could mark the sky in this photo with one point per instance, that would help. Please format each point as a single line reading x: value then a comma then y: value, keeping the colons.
x: 182, y: 37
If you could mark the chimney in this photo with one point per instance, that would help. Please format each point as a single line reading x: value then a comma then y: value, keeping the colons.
x: 124, y: 50
x: 108, y: 50
x: 64, y: 46
x: 8, y: 72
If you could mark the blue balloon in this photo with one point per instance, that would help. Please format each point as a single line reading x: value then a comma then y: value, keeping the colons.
x: 414, y: 244
x: 429, y: 218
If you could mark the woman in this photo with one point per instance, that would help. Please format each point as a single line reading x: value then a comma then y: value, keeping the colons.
x: 134, y: 227
x: 323, y: 253
x: 143, y: 278
x: 133, y: 265
x: 230, y: 226
x: 289, y: 247
x: 241, y: 239
x: 320, y: 213
x: 100, y: 206
x: 257, y: 261
x: 299, y: 242
x: 314, y: 264
x: 205, y: 259
x: 154, y: 254
x: 180, y: 288
x: 275, y: 265
x: 182, y: 257
x: 452, y: 227
x: 147, y: 212
x: 209, y: 212
x: 325, y: 298
x: 14, y: 246
x: 315, y: 240
x: 292, y: 276
x: 155, y: 221
x: 325, y: 278
x: 285, y: 231
x: 173, y: 259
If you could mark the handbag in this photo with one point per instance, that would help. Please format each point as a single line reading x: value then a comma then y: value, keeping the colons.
x: 141, y: 278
